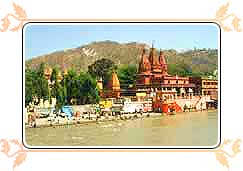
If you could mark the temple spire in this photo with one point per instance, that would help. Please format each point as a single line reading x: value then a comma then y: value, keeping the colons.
x: 163, y: 63
x: 162, y: 58
x: 144, y: 64
x: 152, y: 56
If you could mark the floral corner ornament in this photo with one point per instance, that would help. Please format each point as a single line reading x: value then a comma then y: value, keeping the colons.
x: 222, y: 156
x: 223, y: 17
x: 17, y: 156
x: 19, y: 16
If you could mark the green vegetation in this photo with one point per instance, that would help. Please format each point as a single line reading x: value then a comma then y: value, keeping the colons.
x: 127, y: 75
x: 197, y: 62
x: 72, y: 88
x: 35, y: 84
x: 56, y: 88
x: 102, y: 69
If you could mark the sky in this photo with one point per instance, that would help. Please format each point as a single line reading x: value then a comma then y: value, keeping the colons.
x: 41, y: 39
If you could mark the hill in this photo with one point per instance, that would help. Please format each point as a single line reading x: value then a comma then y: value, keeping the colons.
x: 197, y: 60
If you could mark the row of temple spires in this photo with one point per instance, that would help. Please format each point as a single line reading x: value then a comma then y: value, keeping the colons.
x: 151, y: 63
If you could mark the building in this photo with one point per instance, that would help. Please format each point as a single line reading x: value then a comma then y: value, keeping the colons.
x: 112, y: 90
x: 154, y: 79
x: 206, y: 87
x: 167, y: 92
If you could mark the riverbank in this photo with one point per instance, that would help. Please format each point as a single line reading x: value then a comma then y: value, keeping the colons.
x: 92, y: 118
x: 60, y: 121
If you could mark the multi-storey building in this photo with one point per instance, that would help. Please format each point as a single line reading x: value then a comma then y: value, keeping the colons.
x: 206, y: 86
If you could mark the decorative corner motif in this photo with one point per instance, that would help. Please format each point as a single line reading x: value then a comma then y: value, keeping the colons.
x: 20, y: 16
x: 222, y: 156
x: 18, y: 156
x: 222, y: 17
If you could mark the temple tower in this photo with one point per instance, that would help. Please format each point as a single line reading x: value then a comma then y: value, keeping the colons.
x: 153, y: 58
x: 114, y: 86
x: 144, y: 64
x: 144, y: 70
x: 163, y: 63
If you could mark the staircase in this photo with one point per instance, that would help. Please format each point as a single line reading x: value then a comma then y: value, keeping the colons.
x: 177, y: 108
x: 201, y: 104
x: 196, y: 102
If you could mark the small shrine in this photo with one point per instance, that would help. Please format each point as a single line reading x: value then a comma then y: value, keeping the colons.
x: 112, y: 89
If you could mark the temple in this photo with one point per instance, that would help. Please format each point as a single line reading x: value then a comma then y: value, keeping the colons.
x: 112, y: 90
x: 165, y: 92
x: 153, y: 77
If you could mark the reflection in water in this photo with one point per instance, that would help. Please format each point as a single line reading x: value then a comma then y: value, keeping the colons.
x: 184, y: 129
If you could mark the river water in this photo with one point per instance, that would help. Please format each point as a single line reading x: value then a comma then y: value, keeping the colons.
x: 184, y: 129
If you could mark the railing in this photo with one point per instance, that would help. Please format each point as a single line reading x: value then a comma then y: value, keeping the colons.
x: 159, y: 85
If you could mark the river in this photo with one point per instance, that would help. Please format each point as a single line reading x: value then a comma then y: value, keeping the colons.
x: 183, y: 129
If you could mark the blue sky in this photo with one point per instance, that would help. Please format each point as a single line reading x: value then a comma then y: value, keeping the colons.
x: 44, y: 39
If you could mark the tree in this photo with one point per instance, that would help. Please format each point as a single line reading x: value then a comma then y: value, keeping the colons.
x: 54, y: 74
x: 30, y: 90
x: 41, y: 83
x: 36, y: 84
x: 102, y: 69
x: 127, y: 75
x: 57, y: 89
x: 70, y: 82
x: 88, y: 90
x: 59, y: 94
x: 81, y: 88
x: 180, y: 69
